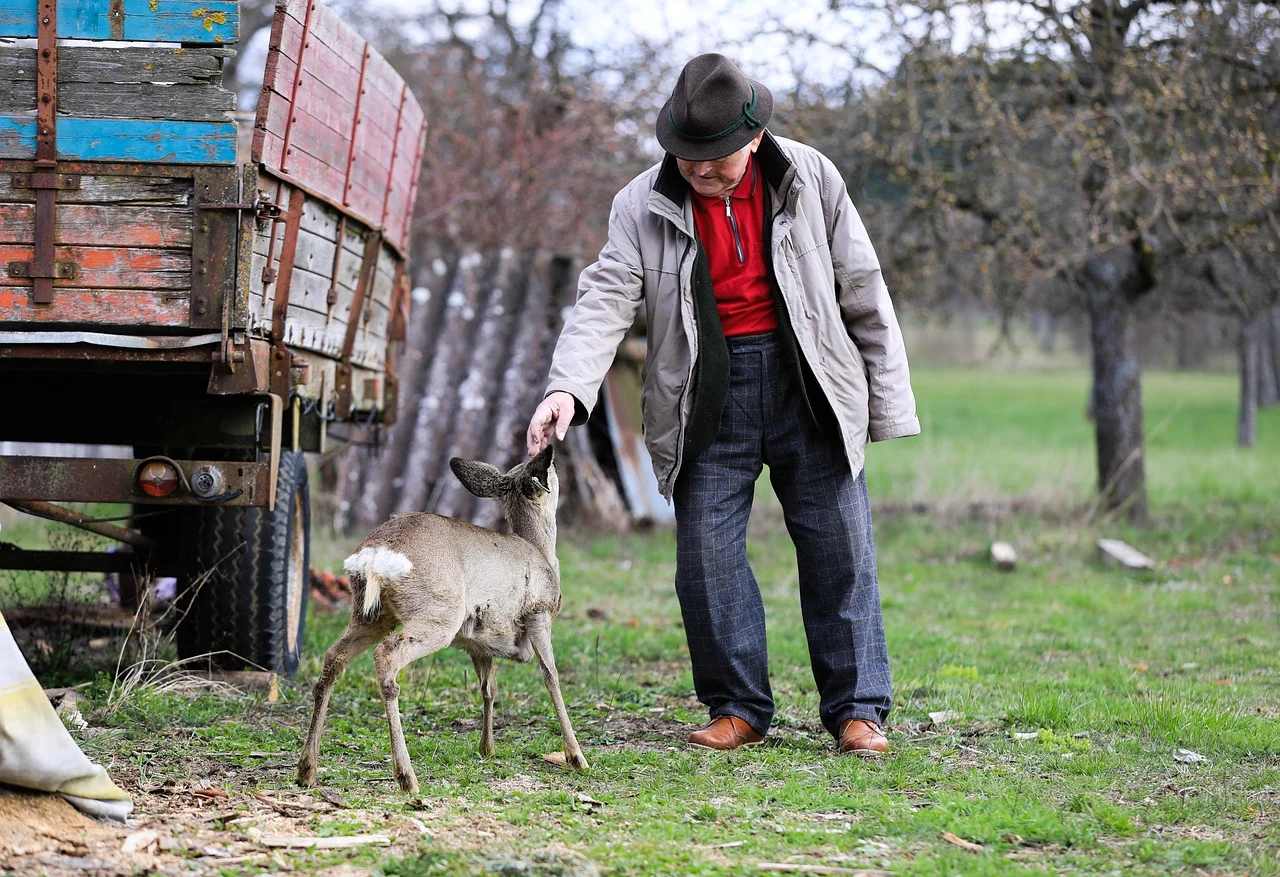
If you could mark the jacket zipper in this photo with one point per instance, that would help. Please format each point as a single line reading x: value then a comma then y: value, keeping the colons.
x: 733, y: 224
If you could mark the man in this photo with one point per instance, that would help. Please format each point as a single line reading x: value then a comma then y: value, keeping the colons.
x: 771, y: 340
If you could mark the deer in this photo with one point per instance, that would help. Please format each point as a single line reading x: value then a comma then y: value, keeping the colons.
x: 446, y: 582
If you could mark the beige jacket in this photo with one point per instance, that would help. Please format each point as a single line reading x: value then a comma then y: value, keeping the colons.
x: 825, y: 268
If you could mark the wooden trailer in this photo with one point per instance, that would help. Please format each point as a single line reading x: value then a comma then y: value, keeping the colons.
x: 210, y: 310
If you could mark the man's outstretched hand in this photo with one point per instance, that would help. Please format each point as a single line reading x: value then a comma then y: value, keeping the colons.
x: 554, y: 412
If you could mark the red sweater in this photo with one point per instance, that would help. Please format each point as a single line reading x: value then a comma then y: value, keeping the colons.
x: 732, y: 234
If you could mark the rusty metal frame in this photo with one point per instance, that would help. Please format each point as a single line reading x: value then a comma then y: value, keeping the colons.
x: 214, y: 236
x: 68, y: 561
x: 288, y: 251
x: 413, y: 190
x: 44, y: 267
x: 355, y: 131
x: 368, y: 267
x: 395, y: 152
x: 67, y: 516
x: 79, y: 479
x: 331, y: 298
x: 285, y: 151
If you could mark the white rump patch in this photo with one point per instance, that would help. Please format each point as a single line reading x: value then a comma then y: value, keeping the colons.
x: 379, y: 565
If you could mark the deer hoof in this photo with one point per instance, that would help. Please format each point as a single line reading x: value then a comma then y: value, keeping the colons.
x: 306, y: 775
x: 408, y: 783
x: 578, y: 761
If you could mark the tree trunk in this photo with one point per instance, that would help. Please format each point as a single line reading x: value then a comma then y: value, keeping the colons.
x: 1117, y: 397
x: 1249, y: 343
x: 1275, y: 344
x: 479, y: 390
x: 522, y: 383
x: 440, y: 395
x: 1268, y: 367
x: 381, y: 491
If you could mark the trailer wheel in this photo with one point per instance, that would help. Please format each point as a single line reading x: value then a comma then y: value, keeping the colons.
x: 245, y: 580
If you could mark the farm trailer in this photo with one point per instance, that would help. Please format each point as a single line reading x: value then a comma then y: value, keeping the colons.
x: 210, y: 310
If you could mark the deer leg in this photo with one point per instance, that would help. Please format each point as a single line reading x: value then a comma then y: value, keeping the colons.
x: 539, y: 630
x: 359, y: 635
x: 485, y: 670
x: 388, y: 658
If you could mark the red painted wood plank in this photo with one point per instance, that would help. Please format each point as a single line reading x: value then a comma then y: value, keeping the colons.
x: 312, y: 136
x: 101, y: 225
x: 109, y: 267
x: 99, y: 307
x: 349, y: 137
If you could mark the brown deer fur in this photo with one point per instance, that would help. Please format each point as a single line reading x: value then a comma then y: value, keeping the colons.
x: 450, y: 583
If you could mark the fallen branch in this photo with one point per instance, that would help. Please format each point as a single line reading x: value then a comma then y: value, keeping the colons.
x: 961, y: 842
x: 324, y: 843
x: 818, y: 869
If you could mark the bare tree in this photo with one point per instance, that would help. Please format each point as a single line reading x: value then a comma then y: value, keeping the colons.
x: 1088, y: 142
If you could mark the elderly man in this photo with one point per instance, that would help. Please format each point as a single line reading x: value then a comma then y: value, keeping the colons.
x: 771, y: 340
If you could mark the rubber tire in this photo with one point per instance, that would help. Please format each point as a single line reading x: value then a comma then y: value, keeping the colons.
x: 240, y: 615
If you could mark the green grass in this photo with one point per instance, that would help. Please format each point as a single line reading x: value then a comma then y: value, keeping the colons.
x: 990, y: 435
x: 1111, y: 672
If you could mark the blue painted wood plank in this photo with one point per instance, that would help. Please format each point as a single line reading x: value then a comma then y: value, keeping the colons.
x: 124, y: 140
x: 206, y: 22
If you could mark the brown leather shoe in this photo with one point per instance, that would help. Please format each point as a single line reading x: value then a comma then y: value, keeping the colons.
x: 861, y: 737
x: 725, y: 732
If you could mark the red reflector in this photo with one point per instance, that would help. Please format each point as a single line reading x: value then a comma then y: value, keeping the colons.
x: 157, y: 479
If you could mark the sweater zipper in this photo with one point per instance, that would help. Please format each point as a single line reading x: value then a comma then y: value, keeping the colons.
x: 733, y: 224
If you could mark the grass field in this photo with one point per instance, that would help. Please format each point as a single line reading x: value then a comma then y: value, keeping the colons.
x: 1071, y: 688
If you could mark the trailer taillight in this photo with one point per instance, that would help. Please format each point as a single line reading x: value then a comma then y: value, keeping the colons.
x: 157, y: 478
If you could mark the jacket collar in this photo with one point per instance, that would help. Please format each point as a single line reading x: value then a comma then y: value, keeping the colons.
x: 670, y: 195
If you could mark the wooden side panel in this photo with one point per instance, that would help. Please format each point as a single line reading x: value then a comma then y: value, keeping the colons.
x: 198, y: 22
x: 311, y: 324
x: 335, y: 118
x: 124, y: 140
x: 102, y: 225
x: 123, y: 83
x: 403, y: 191
x: 130, y: 239
x: 108, y: 267
x: 101, y: 308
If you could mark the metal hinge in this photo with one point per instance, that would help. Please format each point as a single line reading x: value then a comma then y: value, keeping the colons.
x: 32, y: 270
x: 45, y: 180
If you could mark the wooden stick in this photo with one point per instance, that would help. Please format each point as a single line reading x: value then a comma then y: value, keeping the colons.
x: 324, y: 843
x: 818, y: 869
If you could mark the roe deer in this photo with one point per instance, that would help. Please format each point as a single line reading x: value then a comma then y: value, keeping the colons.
x: 448, y: 582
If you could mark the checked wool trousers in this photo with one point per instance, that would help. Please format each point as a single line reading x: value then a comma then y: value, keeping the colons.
x: 828, y: 516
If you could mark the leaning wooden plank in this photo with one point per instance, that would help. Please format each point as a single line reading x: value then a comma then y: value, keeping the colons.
x: 101, y: 225
x: 124, y: 191
x: 109, y: 267
x: 1116, y: 552
x: 207, y: 22
x: 124, y: 140
x: 179, y: 66
x: 100, y: 307
x: 323, y: 843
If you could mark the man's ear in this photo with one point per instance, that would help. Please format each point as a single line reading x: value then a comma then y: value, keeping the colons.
x: 479, y: 478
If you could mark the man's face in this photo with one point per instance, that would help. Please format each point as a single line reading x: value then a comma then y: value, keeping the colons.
x: 718, y: 177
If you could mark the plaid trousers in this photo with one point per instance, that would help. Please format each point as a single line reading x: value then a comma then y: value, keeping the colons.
x: 828, y: 516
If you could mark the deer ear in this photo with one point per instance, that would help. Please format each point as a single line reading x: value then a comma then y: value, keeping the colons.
x: 539, y: 466
x: 479, y: 478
